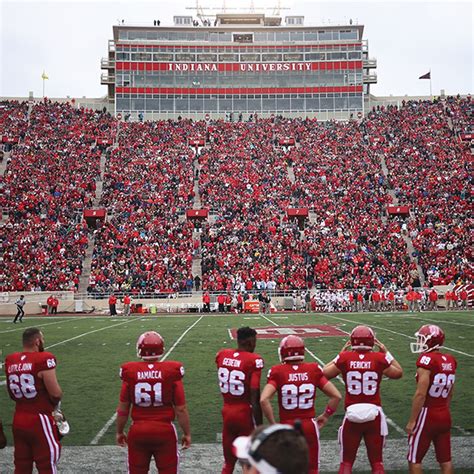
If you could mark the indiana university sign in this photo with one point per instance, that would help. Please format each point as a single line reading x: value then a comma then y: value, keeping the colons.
x: 244, y: 67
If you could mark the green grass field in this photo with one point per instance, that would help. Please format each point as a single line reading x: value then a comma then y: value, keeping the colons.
x: 90, y: 350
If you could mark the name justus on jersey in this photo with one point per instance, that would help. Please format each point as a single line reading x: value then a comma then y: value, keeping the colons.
x: 149, y: 374
x: 447, y: 367
x: 26, y: 367
x: 231, y: 362
x: 302, y: 377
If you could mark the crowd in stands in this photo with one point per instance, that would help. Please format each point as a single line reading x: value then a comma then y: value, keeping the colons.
x: 48, y: 182
x: 430, y: 170
x: 145, y: 246
x: 345, y: 173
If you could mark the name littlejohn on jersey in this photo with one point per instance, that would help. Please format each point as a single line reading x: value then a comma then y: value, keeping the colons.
x: 22, y: 367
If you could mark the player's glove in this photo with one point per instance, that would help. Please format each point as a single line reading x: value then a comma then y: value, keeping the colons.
x: 60, y: 420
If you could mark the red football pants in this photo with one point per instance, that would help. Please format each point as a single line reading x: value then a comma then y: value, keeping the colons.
x: 152, y: 438
x: 310, y: 430
x: 237, y: 421
x: 36, y: 441
x: 350, y: 435
x: 432, y: 425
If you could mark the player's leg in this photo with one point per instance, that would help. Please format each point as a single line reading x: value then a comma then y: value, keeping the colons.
x: 442, y: 445
x: 46, y: 447
x: 311, y: 433
x: 237, y: 421
x: 419, y: 442
x: 139, y: 450
x: 349, y: 437
x: 23, y: 453
x: 166, y: 453
x: 374, y: 442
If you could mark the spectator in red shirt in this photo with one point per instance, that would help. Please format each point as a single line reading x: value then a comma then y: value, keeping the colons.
x: 463, y: 298
x: 433, y: 300
x: 112, y: 305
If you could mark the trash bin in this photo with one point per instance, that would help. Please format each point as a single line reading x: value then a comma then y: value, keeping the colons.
x: 44, y: 309
x: 152, y: 309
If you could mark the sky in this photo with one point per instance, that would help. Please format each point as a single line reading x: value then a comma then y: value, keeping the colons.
x: 67, y: 39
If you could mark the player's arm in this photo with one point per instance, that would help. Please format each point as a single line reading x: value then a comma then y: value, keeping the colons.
x: 265, y: 402
x: 51, y: 383
x: 182, y: 414
x: 419, y: 397
x: 331, y: 370
x: 255, y: 396
x: 330, y: 390
x: 394, y: 370
x: 123, y: 409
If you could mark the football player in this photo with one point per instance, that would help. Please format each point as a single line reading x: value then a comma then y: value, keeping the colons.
x: 155, y: 392
x: 33, y: 386
x: 430, y: 419
x: 239, y: 371
x: 296, y: 381
x: 362, y: 369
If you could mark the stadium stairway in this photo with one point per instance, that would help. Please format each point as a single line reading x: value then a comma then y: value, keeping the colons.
x: 86, y: 266
x: 197, y: 260
x: 291, y: 174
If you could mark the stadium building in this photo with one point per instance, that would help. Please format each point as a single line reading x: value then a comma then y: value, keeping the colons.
x: 241, y: 64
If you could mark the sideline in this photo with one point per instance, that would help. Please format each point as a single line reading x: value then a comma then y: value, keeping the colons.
x: 395, y: 332
x: 341, y: 380
x: 112, y: 419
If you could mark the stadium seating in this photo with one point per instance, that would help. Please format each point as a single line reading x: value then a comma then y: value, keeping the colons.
x: 248, y: 179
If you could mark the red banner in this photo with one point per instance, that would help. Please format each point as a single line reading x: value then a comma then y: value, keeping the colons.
x: 297, y: 212
x: 97, y: 213
x: 398, y: 210
x: 467, y: 136
x: 286, y: 141
x: 196, y: 142
x: 238, y: 67
x: 247, y: 90
x: 197, y: 213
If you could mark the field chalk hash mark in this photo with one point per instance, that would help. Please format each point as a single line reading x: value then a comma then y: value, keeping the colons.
x: 397, y: 333
x: 341, y: 380
x: 112, y: 419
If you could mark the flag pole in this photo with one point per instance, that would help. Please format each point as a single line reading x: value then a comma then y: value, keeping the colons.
x: 431, y: 93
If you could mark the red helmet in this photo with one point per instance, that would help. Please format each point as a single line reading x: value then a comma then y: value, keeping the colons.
x: 428, y: 338
x: 362, y: 338
x: 291, y: 348
x: 150, y: 345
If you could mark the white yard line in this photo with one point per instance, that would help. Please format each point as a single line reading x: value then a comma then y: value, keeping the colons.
x: 395, y: 332
x: 341, y: 380
x: 91, y: 332
x: 22, y: 326
x: 112, y: 419
x: 443, y: 321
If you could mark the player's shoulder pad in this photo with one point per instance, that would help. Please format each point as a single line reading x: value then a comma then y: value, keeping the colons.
x: 425, y: 361
x: 259, y: 362
x: 175, y: 367
x: 48, y: 359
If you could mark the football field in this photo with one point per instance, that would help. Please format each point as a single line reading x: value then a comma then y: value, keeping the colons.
x: 90, y: 351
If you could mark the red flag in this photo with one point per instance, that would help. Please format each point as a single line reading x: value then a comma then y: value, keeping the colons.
x: 426, y: 76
